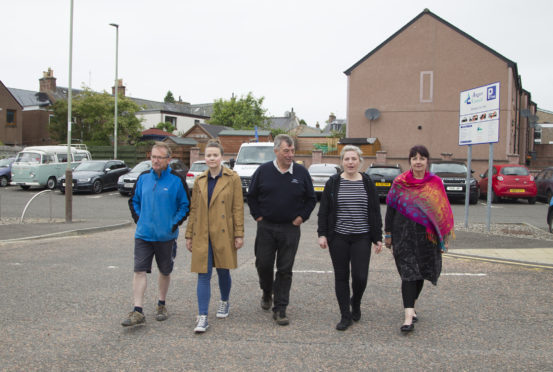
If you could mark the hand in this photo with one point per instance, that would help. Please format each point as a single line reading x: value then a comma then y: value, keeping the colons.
x: 378, y: 247
x: 189, y: 244
x: 323, y: 242
x: 297, y: 221
x: 238, y: 243
x: 388, y: 242
x: 258, y: 219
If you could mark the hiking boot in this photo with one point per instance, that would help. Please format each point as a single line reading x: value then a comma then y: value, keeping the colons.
x: 201, y: 324
x: 280, y: 317
x: 223, y: 310
x: 161, y: 313
x: 344, y: 324
x: 133, y: 318
x: 266, y: 301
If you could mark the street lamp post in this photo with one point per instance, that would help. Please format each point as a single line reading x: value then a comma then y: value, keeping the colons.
x: 69, y: 170
x: 116, y: 86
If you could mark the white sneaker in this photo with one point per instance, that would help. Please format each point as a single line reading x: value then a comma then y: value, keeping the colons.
x: 223, y: 310
x: 201, y: 324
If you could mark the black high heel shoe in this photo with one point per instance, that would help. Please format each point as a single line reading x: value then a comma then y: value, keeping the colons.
x: 407, y: 328
x: 415, y: 318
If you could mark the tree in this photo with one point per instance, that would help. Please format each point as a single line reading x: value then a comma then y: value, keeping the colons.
x: 93, y: 119
x: 243, y: 113
x: 166, y: 126
x: 169, y: 98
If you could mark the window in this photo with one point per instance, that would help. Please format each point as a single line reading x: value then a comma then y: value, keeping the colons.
x: 196, y: 121
x: 10, y: 117
x: 426, y: 86
x: 171, y: 119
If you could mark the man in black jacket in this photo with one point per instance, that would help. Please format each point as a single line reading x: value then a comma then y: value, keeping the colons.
x: 281, y: 198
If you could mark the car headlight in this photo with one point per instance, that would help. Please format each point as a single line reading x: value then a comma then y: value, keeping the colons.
x: 120, y: 179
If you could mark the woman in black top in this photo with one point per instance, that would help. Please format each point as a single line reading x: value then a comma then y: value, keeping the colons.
x: 349, y: 222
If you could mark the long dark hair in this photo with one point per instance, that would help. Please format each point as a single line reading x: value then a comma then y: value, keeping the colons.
x: 419, y: 149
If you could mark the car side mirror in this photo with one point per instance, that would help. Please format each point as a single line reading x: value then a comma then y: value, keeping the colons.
x: 231, y: 163
x: 106, y: 170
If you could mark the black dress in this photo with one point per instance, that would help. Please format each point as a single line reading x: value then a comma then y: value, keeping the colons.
x: 416, y: 257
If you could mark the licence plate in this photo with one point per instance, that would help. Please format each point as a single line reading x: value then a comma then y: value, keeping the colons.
x: 318, y: 188
x: 129, y: 185
x: 516, y: 190
x: 454, y: 188
x: 382, y: 183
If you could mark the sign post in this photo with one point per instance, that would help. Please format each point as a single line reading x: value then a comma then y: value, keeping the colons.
x: 478, y: 124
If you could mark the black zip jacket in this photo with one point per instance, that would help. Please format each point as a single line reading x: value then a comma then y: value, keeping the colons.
x: 328, y: 207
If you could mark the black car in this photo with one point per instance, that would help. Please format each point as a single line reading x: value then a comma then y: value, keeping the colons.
x: 453, y: 175
x: 544, y: 184
x: 382, y: 176
x: 126, y: 182
x: 96, y: 175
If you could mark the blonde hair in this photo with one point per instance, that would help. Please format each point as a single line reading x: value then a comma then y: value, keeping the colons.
x: 354, y: 149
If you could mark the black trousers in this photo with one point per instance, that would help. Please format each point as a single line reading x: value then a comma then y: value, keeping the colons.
x: 410, y: 291
x: 280, y: 241
x: 346, y: 250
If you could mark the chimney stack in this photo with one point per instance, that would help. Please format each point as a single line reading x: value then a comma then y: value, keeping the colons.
x: 48, y: 81
x: 120, y: 88
x: 331, y: 118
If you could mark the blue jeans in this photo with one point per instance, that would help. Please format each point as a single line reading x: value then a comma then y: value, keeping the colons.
x: 204, y: 284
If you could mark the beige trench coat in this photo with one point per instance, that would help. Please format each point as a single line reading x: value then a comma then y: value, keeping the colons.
x: 221, y: 222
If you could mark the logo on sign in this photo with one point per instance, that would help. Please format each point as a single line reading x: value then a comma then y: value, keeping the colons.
x: 467, y: 101
x: 491, y: 93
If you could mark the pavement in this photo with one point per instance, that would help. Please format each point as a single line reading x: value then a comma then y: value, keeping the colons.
x: 525, y: 251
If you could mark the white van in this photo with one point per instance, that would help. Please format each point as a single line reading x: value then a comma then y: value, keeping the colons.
x: 43, y: 165
x: 250, y: 157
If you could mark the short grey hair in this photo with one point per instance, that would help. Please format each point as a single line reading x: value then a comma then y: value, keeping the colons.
x: 351, y: 148
x: 163, y: 145
x: 283, y: 137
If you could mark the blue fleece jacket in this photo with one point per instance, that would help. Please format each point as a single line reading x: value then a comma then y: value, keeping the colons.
x: 159, y: 205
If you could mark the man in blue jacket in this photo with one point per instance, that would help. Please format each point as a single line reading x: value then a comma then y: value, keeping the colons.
x: 159, y: 203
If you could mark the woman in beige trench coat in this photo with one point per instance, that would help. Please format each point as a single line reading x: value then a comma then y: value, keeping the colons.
x: 215, y: 231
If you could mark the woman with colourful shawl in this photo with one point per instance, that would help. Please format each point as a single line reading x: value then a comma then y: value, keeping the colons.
x: 418, y: 225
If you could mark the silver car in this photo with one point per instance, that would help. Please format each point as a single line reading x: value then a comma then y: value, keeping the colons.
x: 320, y: 173
x: 195, y: 169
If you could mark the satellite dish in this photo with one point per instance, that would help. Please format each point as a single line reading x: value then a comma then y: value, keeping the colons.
x: 372, y: 114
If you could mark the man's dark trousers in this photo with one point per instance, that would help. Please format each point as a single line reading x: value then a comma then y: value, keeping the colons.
x: 280, y: 240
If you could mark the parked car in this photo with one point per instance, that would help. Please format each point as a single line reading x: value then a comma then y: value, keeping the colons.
x: 126, y: 182
x: 382, y: 176
x: 320, y: 173
x: 96, y: 175
x: 510, y: 181
x: 6, y: 171
x: 454, y: 177
x: 544, y: 184
x: 550, y: 216
x: 195, y: 169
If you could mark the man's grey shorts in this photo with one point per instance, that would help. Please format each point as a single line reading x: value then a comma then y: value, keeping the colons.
x: 144, y: 252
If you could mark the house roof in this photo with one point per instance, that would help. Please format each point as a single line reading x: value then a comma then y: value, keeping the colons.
x: 213, y: 130
x: 156, y: 132
x: 228, y: 132
x: 28, y: 98
x: 10, y: 93
x: 182, y: 140
x: 285, y: 123
x: 429, y: 13
x: 201, y: 110
x: 318, y: 135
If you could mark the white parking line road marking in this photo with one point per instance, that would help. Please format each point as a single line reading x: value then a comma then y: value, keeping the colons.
x: 465, y: 274
x: 312, y: 271
x: 94, y: 197
x: 113, y: 267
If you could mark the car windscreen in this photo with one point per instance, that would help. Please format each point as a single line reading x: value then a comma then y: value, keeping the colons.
x: 316, y: 168
x: 28, y: 157
x: 383, y: 172
x: 448, y: 168
x: 255, y: 155
x: 90, y: 167
x: 142, y: 167
x: 514, y: 171
x: 198, y: 167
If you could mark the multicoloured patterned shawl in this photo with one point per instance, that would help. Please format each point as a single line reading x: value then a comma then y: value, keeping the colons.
x: 425, y: 202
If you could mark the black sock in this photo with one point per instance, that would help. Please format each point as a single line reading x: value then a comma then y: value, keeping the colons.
x: 139, y: 309
x: 159, y: 302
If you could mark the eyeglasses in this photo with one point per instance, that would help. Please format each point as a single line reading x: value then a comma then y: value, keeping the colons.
x: 155, y: 157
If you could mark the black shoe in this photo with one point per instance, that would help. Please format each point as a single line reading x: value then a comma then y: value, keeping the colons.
x: 407, y: 327
x: 415, y: 318
x: 266, y: 301
x: 280, y: 317
x: 344, y: 324
x: 355, y: 311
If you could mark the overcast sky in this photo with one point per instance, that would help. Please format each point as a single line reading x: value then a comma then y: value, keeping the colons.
x: 292, y: 52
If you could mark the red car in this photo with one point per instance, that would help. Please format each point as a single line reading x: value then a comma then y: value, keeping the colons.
x: 510, y: 181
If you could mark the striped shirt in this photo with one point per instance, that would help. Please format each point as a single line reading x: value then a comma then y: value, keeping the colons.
x: 351, y: 212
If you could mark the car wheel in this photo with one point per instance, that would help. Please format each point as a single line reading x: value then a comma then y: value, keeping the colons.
x: 548, y: 196
x: 123, y: 193
x: 495, y: 198
x: 3, y: 181
x: 532, y: 200
x: 25, y: 187
x: 97, y: 187
x: 62, y: 190
x: 51, y: 183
